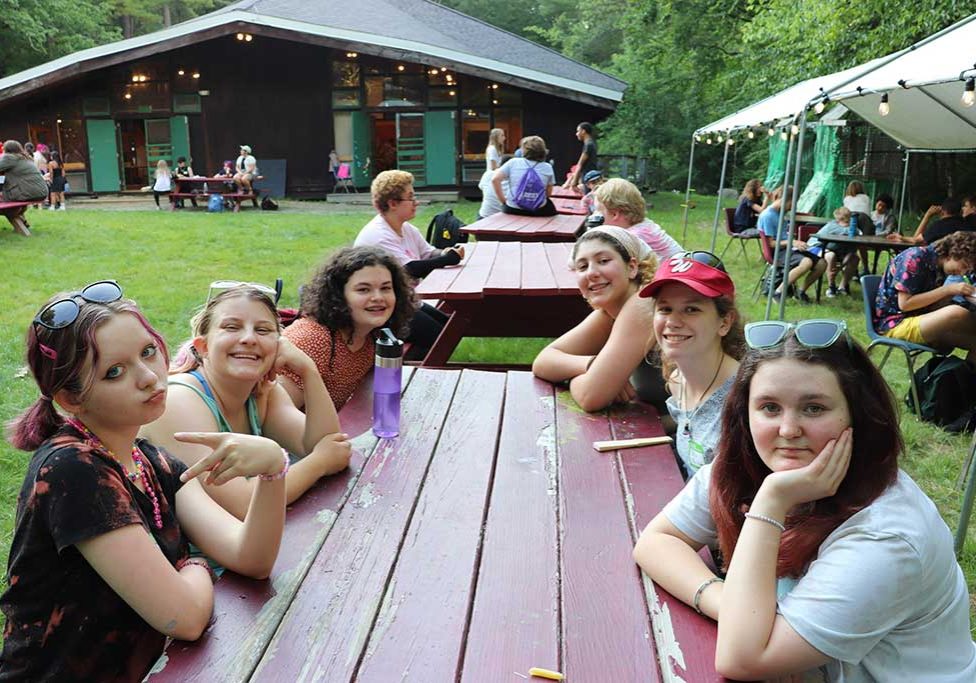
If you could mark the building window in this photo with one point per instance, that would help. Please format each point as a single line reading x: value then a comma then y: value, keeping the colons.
x: 510, y: 121
x: 95, y: 106
x: 345, y: 98
x: 475, y: 126
x: 186, y: 103
x: 345, y: 74
x: 442, y: 96
x: 395, y: 91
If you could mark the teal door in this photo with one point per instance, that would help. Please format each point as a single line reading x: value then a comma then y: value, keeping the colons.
x: 103, y: 155
x: 179, y: 134
x: 440, y: 144
x: 360, y: 149
x: 410, y: 147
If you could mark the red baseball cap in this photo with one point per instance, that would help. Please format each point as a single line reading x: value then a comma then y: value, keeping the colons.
x: 685, y: 270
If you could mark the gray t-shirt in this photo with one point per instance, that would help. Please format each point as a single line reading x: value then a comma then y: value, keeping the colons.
x: 699, y: 429
x: 514, y: 169
x: 884, y: 597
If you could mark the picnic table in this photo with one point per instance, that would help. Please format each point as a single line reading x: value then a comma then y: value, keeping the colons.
x: 14, y: 213
x: 504, y: 289
x: 572, y: 207
x: 558, y: 191
x: 504, y: 227
x: 218, y: 185
x: 875, y: 243
x: 488, y: 538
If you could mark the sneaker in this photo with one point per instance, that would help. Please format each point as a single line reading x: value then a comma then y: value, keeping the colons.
x: 776, y: 296
x: 50, y: 207
x: 831, y: 292
x: 803, y: 298
x: 844, y: 291
x: 964, y: 423
x: 62, y: 208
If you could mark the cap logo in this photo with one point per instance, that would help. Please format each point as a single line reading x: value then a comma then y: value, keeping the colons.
x: 680, y: 265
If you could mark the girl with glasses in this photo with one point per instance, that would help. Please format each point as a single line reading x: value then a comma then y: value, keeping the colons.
x: 602, y: 358
x: 839, y: 568
x: 699, y: 336
x: 223, y: 380
x: 99, y: 575
x: 621, y: 204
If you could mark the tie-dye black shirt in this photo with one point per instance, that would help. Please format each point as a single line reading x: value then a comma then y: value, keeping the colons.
x: 64, y: 622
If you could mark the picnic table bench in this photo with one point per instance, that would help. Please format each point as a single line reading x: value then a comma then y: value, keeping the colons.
x: 488, y: 538
x: 218, y: 185
x: 505, y: 227
x: 14, y: 213
x: 504, y: 289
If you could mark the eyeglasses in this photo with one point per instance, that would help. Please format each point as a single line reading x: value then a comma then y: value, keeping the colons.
x: 408, y: 199
x: 61, y: 313
x: 218, y: 286
x: 705, y: 257
x: 813, y: 334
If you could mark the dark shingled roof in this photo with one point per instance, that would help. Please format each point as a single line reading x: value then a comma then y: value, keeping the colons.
x: 427, y: 22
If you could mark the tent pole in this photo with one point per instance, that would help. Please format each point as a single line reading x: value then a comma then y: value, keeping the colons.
x: 718, y: 202
x: 691, y: 161
x: 796, y: 195
x: 779, y: 229
x: 904, y: 184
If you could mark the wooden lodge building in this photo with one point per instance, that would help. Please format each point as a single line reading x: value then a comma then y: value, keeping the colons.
x: 386, y: 83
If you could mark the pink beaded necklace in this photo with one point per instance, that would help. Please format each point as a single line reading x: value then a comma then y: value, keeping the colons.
x: 139, y: 464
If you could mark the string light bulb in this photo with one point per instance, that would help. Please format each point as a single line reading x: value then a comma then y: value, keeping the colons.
x: 719, y: 140
x: 969, y: 94
x: 794, y: 129
x: 730, y: 141
x: 782, y: 136
x: 751, y: 134
x: 771, y: 132
x: 819, y: 107
x: 708, y: 141
x: 884, y: 108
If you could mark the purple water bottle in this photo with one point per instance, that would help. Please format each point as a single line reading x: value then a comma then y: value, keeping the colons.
x: 386, y: 385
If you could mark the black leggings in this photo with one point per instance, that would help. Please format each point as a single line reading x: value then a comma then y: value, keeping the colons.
x: 547, y: 209
x: 425, y: 327
x: 157, y: 195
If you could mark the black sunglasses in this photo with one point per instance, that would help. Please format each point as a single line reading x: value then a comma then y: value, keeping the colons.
x: 705, y: 257
x: 813, y: 334
x: 61, y: 313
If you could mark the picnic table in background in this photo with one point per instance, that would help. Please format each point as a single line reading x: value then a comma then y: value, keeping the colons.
x: 14, y: 213
x: 559, y: 192
x: 488, y: 538
x: 875, y: 243
x: 219, y: 185
x: 504, y: 289
x: 503, y: 227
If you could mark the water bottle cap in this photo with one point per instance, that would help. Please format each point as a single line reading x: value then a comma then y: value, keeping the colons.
x: 387, y: 345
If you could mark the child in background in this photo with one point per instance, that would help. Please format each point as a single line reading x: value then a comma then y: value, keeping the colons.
x: 183, y: 170
x: 591, y: 181
x: 163, y: 181
x: 837, y: 256
x: 882, y: 217
x: 56, y: 179
x: 753, y: 202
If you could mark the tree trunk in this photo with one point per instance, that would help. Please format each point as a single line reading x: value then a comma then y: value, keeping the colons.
x: 128, y: 26
x: 167, y: 18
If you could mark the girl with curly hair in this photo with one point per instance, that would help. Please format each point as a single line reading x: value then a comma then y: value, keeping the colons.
x: 223, y: 380
x: 353, y: 295
x: 839, y: 568
x: 602, y: 358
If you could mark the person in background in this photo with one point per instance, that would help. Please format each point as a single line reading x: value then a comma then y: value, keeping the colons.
x: 334, y: 167
x: 162, y: 181
x: 183, y: 170
x: 246, y: 170
x: 839, y: 258
x: 969, y: 211
x: 223, y: 380
x: 395, y: 202
x: 495, y: 150
x: 23, y: 182
x: 838, y: 567
x: 621, y: 204
x: 588, y: 156
x: 533, y: 157
x: 950, y: 220
x: 56, y: 182
x: 699, y: 337
x: 859, y: 204
x: 489, y: 200
x: 591, y: 181
x: 883, y: 217
x: 753, y: 202
x: 354, y: 294
x: 604, y: 358
x: 801, y: 261
x: 913, y: 302
x: 99, y: 576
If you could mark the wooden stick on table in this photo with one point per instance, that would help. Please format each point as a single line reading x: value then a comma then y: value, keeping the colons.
x: 603, y: 446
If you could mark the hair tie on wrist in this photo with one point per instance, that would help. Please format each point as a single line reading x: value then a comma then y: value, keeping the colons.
x: 282, y: 473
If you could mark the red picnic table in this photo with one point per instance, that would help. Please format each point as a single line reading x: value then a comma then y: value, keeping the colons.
x: 15, y: 213
x: 559, y: 191
x: 504, y: 289
x: 488, y: 538
x: 505, y: 227
x: 217, y: 185
x: 572, y: 207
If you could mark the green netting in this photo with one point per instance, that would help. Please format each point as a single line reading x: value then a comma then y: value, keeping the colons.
x: 777, y: 161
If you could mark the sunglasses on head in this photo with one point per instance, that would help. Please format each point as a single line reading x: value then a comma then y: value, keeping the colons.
x: 218, y: 286
x: 61, y: 313
x: 813, y: 334
x: 706, y: 258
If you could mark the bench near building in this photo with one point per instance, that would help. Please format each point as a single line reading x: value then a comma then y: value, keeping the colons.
x: 404, y: 84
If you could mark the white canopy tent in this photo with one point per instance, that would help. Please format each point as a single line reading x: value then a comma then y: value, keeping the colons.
x: 924, y: 84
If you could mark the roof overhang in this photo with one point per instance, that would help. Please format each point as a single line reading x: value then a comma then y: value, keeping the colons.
x: 220, y: 24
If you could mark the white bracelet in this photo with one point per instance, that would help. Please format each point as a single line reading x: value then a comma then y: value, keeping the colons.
x: 696, y: 602
x: 768, y: 520
x: 282, y: 473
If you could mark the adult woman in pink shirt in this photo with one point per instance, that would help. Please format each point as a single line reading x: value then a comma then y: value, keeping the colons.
x: 622, y: 205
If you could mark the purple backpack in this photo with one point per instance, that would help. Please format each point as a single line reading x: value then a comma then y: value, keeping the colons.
x: 530, y: 194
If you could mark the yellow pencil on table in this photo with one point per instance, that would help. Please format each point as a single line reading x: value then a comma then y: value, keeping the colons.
x: 546, y: 673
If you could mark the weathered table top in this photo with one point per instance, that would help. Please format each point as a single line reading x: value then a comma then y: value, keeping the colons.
x: 488, y: 538
x: 569, y: 206
x: 508, y: 227
x: 876, y: 242
x: 559, y: 192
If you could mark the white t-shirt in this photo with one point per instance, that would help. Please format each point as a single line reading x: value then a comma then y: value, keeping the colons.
x: 515, y: 168
x: 858, y: 203
x: 884, y: 597
x: 489, y: 200
x: 410, y: 247
x: 492, y: 154
x: 164, y: 182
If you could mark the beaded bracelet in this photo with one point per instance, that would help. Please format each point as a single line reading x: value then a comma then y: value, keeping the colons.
x: 769, y: 520
x: 200, y: 562
x: 282, y: 473
x: 696, y: 602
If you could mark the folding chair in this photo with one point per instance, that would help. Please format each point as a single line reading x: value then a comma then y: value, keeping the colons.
x: 968, y: 474
x: 869, y: 291
x: 344, y: 179
x: 767, y: 255
x: 733, y: 236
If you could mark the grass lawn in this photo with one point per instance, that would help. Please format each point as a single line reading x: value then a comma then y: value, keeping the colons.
x: 166, y: 260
